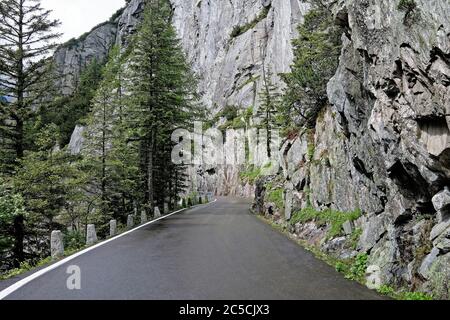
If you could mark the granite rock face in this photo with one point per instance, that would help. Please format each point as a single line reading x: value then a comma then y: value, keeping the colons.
x: 71, y: 58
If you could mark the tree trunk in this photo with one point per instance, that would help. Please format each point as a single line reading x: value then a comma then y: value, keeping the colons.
x: 150, y: 153
x: 18, y: 240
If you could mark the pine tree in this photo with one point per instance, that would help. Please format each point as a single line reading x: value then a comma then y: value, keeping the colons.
x: 48, y: 181
x: 27, y: 38
x: 109, y: 158
x: 316, y: 57
x: 268, y: 112
x: 162, y: 93
x: 11, y: 206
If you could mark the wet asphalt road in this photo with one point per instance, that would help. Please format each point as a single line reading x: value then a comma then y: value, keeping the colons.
x: 214, y: 252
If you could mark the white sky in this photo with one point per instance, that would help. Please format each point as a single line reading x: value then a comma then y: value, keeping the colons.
x: 80, y: 16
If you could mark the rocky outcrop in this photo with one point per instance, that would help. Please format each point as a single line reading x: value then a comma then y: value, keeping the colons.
x: 71, y: 58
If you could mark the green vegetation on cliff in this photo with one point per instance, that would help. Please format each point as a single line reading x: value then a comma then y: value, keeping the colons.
x: 240, y: 30
x: 328, y: 217
x: 316, y: 56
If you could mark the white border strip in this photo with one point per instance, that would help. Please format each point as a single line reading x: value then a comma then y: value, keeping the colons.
x: 6, y: 292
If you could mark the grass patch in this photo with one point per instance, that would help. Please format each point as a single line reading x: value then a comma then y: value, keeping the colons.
x: 25, y: 267
x: 250, y: 175
x: 334, y: 219
x: 403, y: 295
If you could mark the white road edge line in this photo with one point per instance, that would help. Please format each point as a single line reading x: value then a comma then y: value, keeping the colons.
x: 6, y: 292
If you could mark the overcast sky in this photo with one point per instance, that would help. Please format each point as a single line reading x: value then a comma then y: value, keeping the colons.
x: 79, y: 16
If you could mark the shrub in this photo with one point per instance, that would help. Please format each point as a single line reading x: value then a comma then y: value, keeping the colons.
x: 358, y: 268
x: 276, y: 196
x: 341, y: 267
x: 251, y: 175
x: 73, y: 240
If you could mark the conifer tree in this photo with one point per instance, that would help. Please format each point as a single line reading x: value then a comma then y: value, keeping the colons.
x: 268, y: 112
x: 161, y: 95
x: 27, y: 38
x: 109, y: 158
x: 48, y: 182
x: 316, y: 57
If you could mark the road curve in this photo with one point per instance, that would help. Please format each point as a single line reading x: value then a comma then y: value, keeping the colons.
x: 213, y: 252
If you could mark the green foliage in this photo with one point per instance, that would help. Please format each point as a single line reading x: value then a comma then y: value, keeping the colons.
x: 251, y: 174
x: 189, y: 202
x: 110, y: 163
x: 276, y: 196
x: 316, y: 55
x: 24, y: 267
x: 240, y: 30
x: 25, y: 74
x: 235, y: 118
x: 354, y: 238
x: 311, y: 150
x: 12, y: 205
x: 341, y: 267
x: 67, y: 112
x: 248, y: 81
x: 162, y: 98
x: 183, y: 203
x: 358, y: 268
x: 74, y: 240
x: 47, y: 180
x: 414, y: 296
x: 403, y: 295
x: 386, y: 290
x: 334, y: 219
x: 268, y: 113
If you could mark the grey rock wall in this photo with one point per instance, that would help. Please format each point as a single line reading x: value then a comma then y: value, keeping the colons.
x: 71, y: 59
